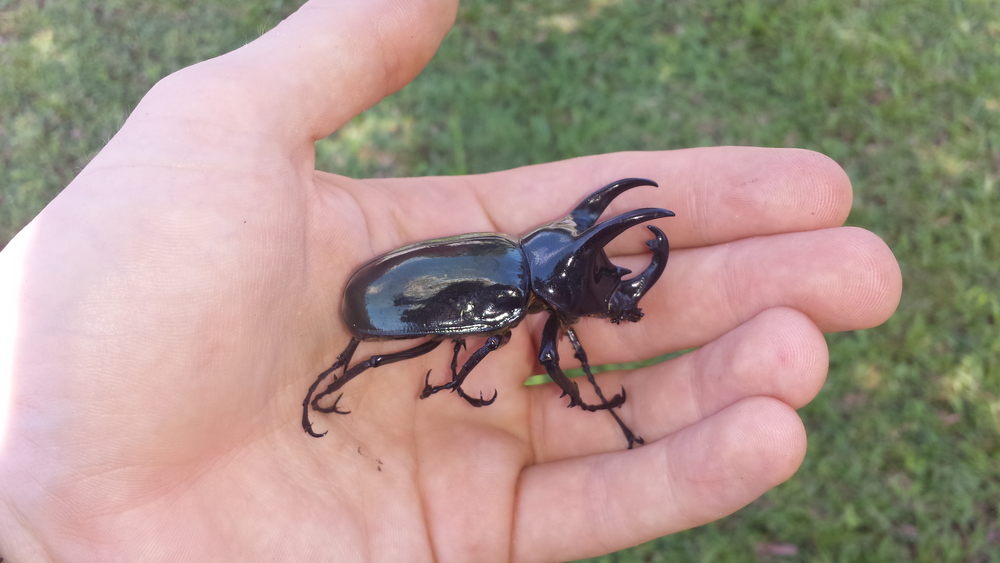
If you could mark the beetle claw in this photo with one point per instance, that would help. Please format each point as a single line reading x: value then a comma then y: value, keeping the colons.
x: 428, y: 390
x: 311, y: 432
x: 332, y: 408
x: 633, y: 440
x: 480, y: 402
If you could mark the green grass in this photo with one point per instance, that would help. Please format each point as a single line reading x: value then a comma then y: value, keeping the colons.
x: 904, y: 451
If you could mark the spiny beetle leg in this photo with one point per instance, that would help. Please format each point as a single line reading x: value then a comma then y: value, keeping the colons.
x: 332, y: 408
x: 606, y: 405
x: 549, y: 358
x: 430, y: 390
x: 458, y: 377
x: 459, y: 346
x: 374, y: 362
x: 342, y: 360
x: 480, y: 402
x: 582, y: 356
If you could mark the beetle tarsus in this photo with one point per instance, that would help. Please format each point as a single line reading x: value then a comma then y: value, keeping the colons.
x: 458, y: 377
x: 332, y: 408
x: 459, y: 345
x: 428, y: 390
x: 480, y: 402
x: 606, y: 405
x: 582, y: 356
x: 343, y: 360
x: 549, y: 357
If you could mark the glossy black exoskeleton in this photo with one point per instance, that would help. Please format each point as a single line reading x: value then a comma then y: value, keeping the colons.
x: 484, y: 284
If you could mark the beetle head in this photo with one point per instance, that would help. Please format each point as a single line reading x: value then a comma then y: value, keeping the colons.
x: 571, y: 272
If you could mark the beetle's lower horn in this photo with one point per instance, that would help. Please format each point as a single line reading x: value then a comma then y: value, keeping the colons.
x: 625, y: 301
x: 636, y: 287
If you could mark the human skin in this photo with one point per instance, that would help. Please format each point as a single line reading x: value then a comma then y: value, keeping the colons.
x: 162, y: 318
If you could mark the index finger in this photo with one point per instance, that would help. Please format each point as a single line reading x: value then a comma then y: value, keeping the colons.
x: 719, y: 194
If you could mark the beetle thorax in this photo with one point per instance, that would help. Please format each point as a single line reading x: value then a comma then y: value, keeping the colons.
x: 569, y: 277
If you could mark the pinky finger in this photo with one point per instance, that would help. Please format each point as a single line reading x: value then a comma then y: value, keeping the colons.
x: 593, y: 505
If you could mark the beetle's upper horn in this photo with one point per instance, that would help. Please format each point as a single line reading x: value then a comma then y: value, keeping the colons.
x: 604, y: 233
x: 586, y: 214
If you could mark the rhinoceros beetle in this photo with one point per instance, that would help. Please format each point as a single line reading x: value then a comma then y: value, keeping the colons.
x: 484, y: 284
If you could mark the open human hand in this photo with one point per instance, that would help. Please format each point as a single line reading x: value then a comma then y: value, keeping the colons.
x: 162, y: 318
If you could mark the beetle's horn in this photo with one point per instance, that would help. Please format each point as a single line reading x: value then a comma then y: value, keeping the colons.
x: 624, y: 304
x: 630, y: 291
x: 607, y: 231
x: 586, y: 214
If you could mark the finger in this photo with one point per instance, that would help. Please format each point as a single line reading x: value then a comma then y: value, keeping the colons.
x: 779, y: 353
x: 719, y: 194
x: 324, y: 64
x: 843, y: 279
x: 599, y: 504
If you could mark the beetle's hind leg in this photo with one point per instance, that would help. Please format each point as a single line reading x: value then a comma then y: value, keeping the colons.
x: 343, y: 361
x: 458, y: 377
x: 459, y: 346
x: 372, y: 362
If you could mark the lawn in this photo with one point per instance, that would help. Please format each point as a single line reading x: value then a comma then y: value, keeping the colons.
x: 904, y: 440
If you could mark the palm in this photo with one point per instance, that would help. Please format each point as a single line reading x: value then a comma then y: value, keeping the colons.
x: 180, y: 296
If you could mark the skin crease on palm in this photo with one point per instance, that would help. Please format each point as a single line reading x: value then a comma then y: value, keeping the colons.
x: 162, y: 318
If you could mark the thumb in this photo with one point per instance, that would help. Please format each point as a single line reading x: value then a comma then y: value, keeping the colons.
x: 324, y: 64
x: 333, y: 59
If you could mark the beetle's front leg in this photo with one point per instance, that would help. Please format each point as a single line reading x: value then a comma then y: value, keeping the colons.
x: 582, y: 356
x: 549, y: 358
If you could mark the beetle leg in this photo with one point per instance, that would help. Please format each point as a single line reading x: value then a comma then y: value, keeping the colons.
x: 582, y: 356
x: 480, y: 402
x: 492, y: 343
x: 458, y: 377
x: 459, y: 346
x: 372, y: 362
x: 349, y: 374
x: 549, y: 358
x: 342, y: 361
